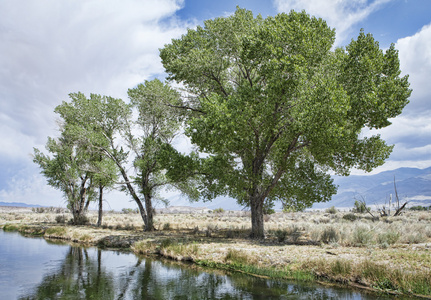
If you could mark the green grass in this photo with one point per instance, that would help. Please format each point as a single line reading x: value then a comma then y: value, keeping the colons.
x: 57, y: 231
x: 10, y: 227
x: 286, y: 273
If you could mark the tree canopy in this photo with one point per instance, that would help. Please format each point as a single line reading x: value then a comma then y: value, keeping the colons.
x: 105, y: 129
x: 276, y: 108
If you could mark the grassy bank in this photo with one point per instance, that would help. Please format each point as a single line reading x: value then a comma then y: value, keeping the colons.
x: 389, y: 254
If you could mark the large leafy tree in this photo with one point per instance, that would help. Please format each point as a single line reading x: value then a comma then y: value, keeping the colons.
x: 276, y: 108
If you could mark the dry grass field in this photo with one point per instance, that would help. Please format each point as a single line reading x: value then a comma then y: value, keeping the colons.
x: 391, y: 254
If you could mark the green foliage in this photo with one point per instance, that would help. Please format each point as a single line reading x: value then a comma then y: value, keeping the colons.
x: 129, y: 211
x: 218, y: 210
x: 350, y: 217
x: 80, y: 220
x: 61, y: 219
x: 167, y: 226
x: 389, y: 238
x: 329, y: 235
x: 236, y: 257
x: 361, y: 236
x: 56, y: 231
x: 420, y: 208
x: 331, y: 210
x: 359, y: 207
x: 341, y: 267
x: 67, y: 170
x: 281, y: 235
x: 275, y: 108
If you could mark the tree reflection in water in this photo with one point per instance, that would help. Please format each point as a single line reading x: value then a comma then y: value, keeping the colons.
x: 78, y: 277
x: 96, y: 274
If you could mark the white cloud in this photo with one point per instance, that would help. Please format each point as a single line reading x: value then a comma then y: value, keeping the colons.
x: 52, y: 48
x: 339, y: 14
x: 31, y: 189
x: 415, y: 60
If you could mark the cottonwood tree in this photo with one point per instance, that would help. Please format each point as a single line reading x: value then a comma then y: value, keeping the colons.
x: 106, y: 126
x: 105, y: 176
x: 158, y: 125
x: 66, y: 169
x: 276, y: 108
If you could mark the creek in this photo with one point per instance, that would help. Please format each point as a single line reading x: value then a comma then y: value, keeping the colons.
x: 35, y: 268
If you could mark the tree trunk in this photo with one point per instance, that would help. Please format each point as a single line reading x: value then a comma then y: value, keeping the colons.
x: 149, y: 207
x: 257, y: 228
x: 134, y: 195
x: 99, y: 219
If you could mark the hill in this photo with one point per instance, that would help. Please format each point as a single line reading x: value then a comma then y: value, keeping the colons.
x: 413, y: 185
x: 18, y: 204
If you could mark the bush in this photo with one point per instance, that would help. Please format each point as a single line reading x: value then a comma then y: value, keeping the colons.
x: 60, y: 219
x: 295, y: 233
x: 218, y: 210
x: 341, y: 267
x: 166, y: 243
x: 80, y: 220
x: 281, y: 235
x: 350, y: 217
x: 236, y: 257
x: 415, y: 238
x: 362, y: 236
x: 329, y: 235
x: 166, y: 226
x: 331, y: 210
x: 129, y: 211
x: 389, y: 238
x: 359, y: 207
x: 420, y: 208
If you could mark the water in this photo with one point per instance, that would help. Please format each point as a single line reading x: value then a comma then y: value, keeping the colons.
x: 33, y: 268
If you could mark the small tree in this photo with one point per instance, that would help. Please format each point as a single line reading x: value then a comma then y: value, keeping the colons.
x: 105, y: 176
x: 360, y: 207
x: 66, y: 170
x: 104, y: 125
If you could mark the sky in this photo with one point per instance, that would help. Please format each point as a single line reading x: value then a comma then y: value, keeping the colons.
x: 50, y: 48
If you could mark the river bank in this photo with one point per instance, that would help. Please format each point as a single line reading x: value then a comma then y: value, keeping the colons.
x: 292, y: 249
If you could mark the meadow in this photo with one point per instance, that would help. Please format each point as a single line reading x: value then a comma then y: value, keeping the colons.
x: 390, y: 254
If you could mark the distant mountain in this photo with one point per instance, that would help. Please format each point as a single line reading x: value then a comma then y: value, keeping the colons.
x: 18, y: 204
x: 413, y: 185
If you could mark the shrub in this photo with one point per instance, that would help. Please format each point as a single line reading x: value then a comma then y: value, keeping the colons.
x: 329, y: 235
x: 167, y: 226
x: 362, y: 236
x: 331, y: 210
x: 80, y: 220
x: 236, y: 257
x: 350, y: 217
x: 218, y: 210
x: 281, y: 235
x: 341, y: 267
x: 129, y: 211
x: 60, y: 219
x: 389, y: 238
x: 359, y: 207
x: 166, y: 243
x: 415, y: 238
x: 418, y: 207
x: 129, y: 227
x: 295, y: 233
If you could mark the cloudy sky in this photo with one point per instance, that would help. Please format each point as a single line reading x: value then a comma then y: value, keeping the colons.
x: 50, y: 48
